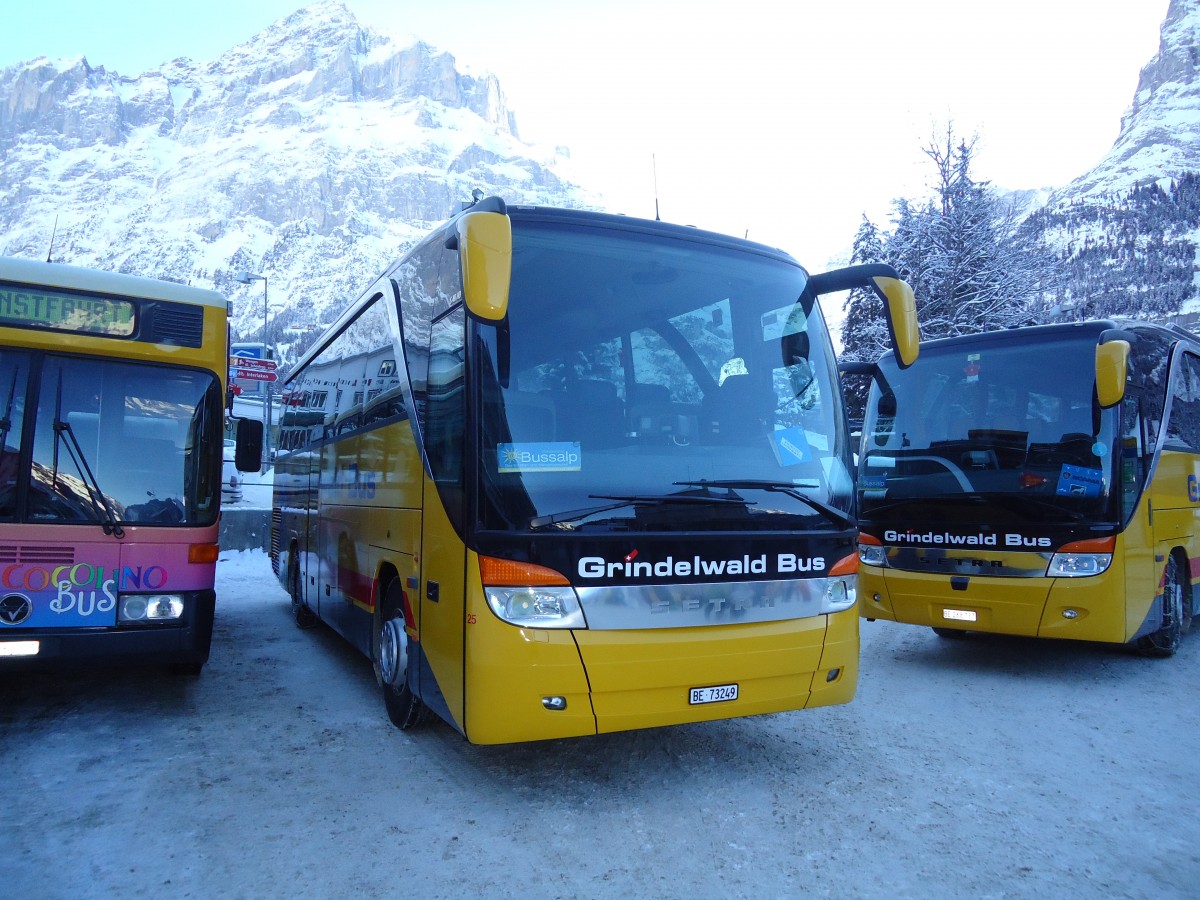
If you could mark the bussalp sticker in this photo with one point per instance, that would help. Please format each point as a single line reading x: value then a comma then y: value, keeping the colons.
x: 556, y: 456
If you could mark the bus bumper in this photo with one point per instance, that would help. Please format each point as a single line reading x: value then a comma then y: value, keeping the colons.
x: 185, y: 644
x: 1081, y: 609
x: 567, y: 684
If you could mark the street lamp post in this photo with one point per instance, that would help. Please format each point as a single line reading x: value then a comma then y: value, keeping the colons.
x: 250, y: 278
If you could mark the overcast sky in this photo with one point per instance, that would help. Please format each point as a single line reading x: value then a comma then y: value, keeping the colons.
x: 784, y: 119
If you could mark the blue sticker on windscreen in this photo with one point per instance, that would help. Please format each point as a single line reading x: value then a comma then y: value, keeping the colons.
x: 553, y: 456
x: 1076, y: 481
x: 790, y: 446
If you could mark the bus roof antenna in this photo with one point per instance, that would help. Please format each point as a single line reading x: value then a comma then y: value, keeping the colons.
x: 53, y: 232
x: 654, y: 168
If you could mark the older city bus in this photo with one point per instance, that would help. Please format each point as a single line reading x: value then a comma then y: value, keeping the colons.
x: 111, y: 404
x: 560, y: 472
x: 1038, y: 481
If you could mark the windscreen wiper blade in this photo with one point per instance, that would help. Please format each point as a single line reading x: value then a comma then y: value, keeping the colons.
x: 569, y: 515
x: 1010, y: 502
x: 1013, y: 503
x: 781, y: 487
x: 75, y: 450
x: 6, y: 421
x: 626, y: 500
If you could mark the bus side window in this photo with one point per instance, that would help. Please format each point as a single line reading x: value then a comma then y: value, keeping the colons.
x: 1183, y: 425
x: 1133, y: 453
x: 446, y: 410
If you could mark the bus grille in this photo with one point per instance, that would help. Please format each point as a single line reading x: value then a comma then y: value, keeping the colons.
x: 175, y: 323
x: 10, y: 553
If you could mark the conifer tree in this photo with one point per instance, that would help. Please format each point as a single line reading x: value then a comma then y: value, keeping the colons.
x: 961, y: 251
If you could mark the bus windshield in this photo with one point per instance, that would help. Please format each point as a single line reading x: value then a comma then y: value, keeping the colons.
x: 648, y: 382
x: 1011, y: 421
x: 112, y: 442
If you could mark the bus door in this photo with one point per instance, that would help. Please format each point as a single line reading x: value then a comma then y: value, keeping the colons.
x: 442, y: 563
x: 296, y: 478
x: 1175, y: 488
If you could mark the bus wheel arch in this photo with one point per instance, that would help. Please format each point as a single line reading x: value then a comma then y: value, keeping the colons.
x: 1176, y: 613
x: 390, y: 653
x: 305, y: 617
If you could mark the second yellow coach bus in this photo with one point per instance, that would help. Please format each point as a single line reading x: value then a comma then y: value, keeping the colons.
x: 1038, y: 481
x: 560, y: 472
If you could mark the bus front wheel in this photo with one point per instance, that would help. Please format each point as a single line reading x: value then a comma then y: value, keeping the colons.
x: 1165, y: 641
x: 391, y: 659
x: 300, y: 612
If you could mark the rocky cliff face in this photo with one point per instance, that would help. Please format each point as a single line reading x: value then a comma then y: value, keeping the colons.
x: 1126, y: 233
x: 313, y: 154
x: 1160, y: 131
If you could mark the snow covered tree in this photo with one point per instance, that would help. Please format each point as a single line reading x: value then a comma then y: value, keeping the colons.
x: 864, y: 329
x: 961, y: 252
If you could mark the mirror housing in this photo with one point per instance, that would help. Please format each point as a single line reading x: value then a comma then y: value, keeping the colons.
x: 901, y: 306
x: 485, y: 251
x: 247, y: 455
x: 1112, y: 367
x: 899, y: 302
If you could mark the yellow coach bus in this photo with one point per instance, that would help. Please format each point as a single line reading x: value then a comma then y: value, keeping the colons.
x: 1038, y: 481
x: 559, y: 473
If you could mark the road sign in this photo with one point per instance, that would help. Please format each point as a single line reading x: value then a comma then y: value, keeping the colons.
x: 249, y: 362
x: 247, y: 353
x: 253, y: 374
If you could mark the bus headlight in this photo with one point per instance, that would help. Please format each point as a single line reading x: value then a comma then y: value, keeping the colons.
x: 151, y: 608
x: 537, y: 607
x: 840, y: 594
x: 1080, y: 559
x: 1078, y: 565
x: 870, y: 551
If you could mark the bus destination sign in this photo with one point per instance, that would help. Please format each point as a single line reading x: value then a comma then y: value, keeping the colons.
x: 43, y: 308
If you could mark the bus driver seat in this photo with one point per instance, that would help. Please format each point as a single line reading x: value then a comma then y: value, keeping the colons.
x: 739, y: 411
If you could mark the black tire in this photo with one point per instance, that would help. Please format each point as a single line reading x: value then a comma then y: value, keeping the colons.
x: 391, y: 660
x: 950, y: 634
x: 1176, y: 616
x: 186, y: 670
x: 305, y: 617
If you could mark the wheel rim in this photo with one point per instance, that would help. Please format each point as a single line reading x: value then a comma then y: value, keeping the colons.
x: 393, y: 651
x: 295, y: 585
x: 1172, y: 599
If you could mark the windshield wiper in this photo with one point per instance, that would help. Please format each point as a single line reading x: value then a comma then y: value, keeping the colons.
x: 626, y: 500
x: 571, y: 514
x: 75, y: 450
x: 1013, y: 503
x: 781, y: 487
x: 6, y: 421
x: 1010, y: 502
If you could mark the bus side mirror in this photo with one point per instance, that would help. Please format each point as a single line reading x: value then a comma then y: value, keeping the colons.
x: 900, y: 305
x: 485, y: 251
x: 1112, y: 364
x: 247, y: 454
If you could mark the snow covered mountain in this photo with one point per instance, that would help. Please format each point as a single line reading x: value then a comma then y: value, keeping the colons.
x: 1127, y: 232
x: 1160, y: 131
x: 313, y: 154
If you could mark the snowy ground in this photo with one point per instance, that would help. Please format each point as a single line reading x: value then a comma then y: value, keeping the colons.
x: 978, y: 768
